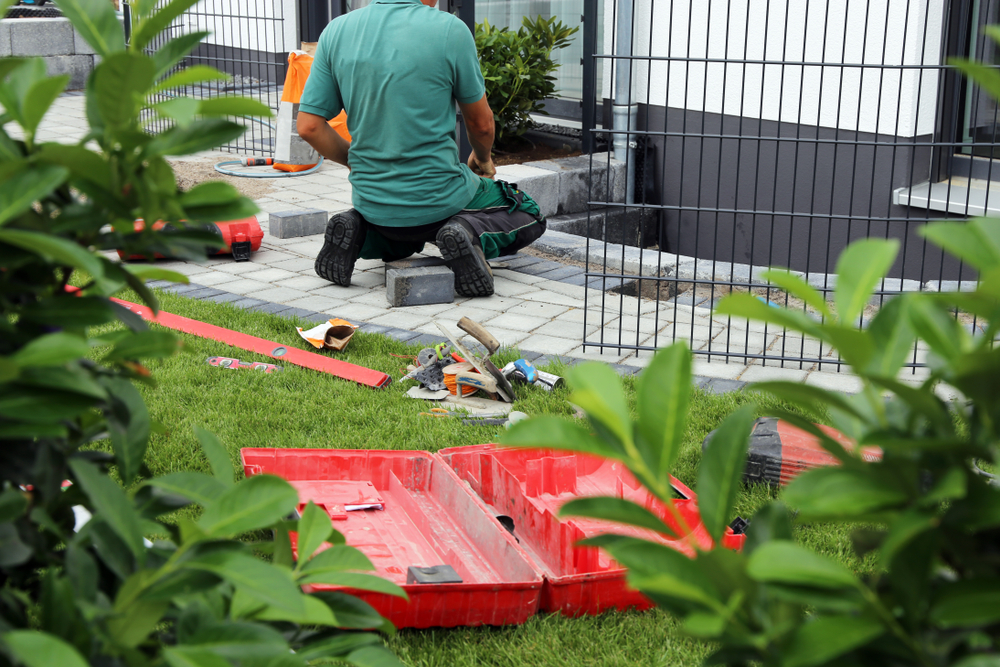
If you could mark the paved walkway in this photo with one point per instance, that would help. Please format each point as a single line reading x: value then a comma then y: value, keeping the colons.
x: 543, y: 308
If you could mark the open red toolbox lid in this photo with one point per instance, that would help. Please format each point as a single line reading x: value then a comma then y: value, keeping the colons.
x: 529, y: 486
x: 428, y: 517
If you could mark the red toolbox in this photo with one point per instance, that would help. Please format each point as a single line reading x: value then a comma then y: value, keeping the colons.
x: 527, y: 487
x: 428, y: 517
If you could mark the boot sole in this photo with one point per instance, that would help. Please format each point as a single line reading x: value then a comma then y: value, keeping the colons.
x: 341, y: 245
x: 465, y: 259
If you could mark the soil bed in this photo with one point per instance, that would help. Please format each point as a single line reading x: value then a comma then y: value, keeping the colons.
x: 522, y: 151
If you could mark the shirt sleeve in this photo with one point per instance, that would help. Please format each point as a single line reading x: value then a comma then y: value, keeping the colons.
x: 469, y: 85
x: 322, y: 92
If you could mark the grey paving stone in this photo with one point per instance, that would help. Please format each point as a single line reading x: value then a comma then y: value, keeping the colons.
x: 427, y: 340
x: 317, y: 317
x: 247, y: 303
x: 291, y: 224
x: 4, y: 39
x: 368, y: 327
x: 530, y: 356
x: 178, y: 288
x: 203, y: 293
x: 402, y: 334
x: 562, y: 272
x: 517, y: 261
x: 297, y: 312
x: 720, y: 386
x: 623, y: 369
x: 419, y: 286
x: 580, y: 279
x: 271, y: 308
x: 544, y: 266
x: 225, y: 297
x: 158, y: 283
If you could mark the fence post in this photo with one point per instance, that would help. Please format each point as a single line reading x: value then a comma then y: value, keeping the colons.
x: 589, y: 101
x: 466, y: 10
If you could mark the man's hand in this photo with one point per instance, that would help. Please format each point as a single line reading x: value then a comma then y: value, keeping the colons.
x: 486, y: 169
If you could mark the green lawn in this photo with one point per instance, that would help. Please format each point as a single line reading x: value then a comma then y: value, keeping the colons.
x: 303, y: 408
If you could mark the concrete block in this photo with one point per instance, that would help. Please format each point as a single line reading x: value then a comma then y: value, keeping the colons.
x: 5, y: 38
x: 420, y: 285
x: 78, y: 68
x: 290, y: 224
x: 410, y: 263
x: 541, y: 184
x: 41, y: 37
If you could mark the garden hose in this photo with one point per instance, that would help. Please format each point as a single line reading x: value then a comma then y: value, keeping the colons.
x: 259, y: 162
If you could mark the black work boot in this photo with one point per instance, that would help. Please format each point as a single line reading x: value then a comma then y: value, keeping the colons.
x: 345, y: 234
x: 464, y: 256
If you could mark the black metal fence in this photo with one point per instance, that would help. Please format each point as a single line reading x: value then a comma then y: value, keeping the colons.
x: 248, y: 41
x: 757, y: 133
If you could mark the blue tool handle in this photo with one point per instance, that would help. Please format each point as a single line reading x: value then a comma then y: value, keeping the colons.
x: 527, y: 369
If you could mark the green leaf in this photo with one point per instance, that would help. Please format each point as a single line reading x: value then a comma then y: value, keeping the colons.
x: 54, y: 349
x: 13, y: 551
x: 147, y: 272
x: 373, y: 656
x: 836, y: 494
x: 218, y: 457
x: 704, y: 625
x: 190, y: 76
x: 742, y: 304
x: 129, y: 427
x: 243, y: 207
x: 76, y: 311
x: 39, y: 649
x: 181, y: 109
x: 13, y: 504
x: 158, y: 22
x: 903, y: 530
x: 241, y: 642
x: 314, y: 529
x: 358, y: 581
x: 38, y: 100
x: 342, y: 644
x: 557, y: 433
x: 23, y: 188
x: 788, y: 563
x: 201, y: 135
x: 598, y: 390
x: 892, y: 336
x: 316, y: 613
x: 824, y: 638
x: 969, y: 603
x: 53, y: 248
x: 270, y: 584
x: 234, y: 106
x: 809, y: 398
x: 144, y: 345
x: 663, y: 394
x: 336, y: 559
x: 121, y: 83
x: 110, y: 502
x: 133, y: 624
x: 210, y: 193
x: 171, y: 53
x: 192, y: 656
x: 611, y: 508
x: 722, y: 465
x: 196, y: 486
x: 937, y: 327
x: 256, y: 502
x: 770, y: 523
x: 97, y: 23
x: 860, y: 268
x: 797, y: 287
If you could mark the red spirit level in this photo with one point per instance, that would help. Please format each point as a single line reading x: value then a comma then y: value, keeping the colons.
x: 780, y: 452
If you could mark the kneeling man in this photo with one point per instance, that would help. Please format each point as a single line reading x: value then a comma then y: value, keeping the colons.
x: 398, y: 67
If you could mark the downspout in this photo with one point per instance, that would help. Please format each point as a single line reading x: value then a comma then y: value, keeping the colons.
x: 624, y: 113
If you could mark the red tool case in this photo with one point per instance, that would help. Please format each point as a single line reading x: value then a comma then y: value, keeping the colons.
x: 530, y: 486
x: 240, y: 237
x: 488, y: 512
x: 429, y: 518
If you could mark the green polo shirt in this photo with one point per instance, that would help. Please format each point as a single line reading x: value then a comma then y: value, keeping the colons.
x: 397, y: 67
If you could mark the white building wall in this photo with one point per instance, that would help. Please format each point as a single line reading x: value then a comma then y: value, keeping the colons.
x: 259, y: 25
x: 829, y: 33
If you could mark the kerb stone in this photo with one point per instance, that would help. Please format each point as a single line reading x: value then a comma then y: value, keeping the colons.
x: 290, y: 224
x: 419, y: 286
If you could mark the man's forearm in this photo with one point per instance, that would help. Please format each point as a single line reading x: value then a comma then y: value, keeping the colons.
x: 482, y: 142
x: 325, y: 140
